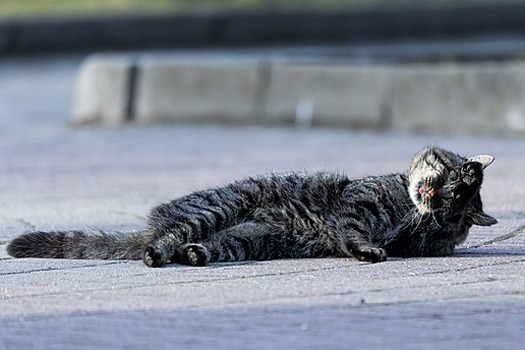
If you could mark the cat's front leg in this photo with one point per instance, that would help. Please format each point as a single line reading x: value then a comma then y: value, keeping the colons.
x: 369, y: 253
x: 356, y: 239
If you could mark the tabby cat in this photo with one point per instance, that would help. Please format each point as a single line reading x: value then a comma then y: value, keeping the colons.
x: 425, y: 212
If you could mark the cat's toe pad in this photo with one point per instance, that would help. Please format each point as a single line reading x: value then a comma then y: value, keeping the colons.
x: 153, y: 257
x: 472, y: 174
x: 371, y: 254
x: 198, y: 255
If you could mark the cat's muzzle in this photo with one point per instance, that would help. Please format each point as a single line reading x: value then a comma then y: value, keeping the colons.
x: 425, y: 196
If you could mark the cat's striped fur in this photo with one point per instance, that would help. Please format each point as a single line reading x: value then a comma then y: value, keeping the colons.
x: 427, y: 211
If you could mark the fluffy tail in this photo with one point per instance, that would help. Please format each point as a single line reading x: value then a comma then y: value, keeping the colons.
x: 94, y: 244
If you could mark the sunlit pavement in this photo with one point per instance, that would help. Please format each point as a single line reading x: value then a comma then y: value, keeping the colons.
x: 54, y: 176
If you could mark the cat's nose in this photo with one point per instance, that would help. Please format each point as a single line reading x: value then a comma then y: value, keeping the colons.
x: 430, y: 191
x: 425, y: 187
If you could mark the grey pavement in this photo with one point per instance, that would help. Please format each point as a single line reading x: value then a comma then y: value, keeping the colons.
x: 55, y: 176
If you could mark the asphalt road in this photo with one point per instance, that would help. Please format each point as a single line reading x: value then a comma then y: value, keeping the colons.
x: 54, y: 176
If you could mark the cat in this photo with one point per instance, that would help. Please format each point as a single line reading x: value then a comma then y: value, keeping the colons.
x: 424, y: 212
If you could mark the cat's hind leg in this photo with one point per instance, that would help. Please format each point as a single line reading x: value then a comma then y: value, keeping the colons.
x: 161, y: 253
x: 189, y: 219
x: 245, y: 241
x: 188, y: 254
x: 193, y: 254
x: 154, y: 256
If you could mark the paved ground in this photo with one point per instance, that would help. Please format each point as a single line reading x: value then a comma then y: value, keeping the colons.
x: 53, y: 176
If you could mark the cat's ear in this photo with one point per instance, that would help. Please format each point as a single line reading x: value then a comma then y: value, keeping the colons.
x: 484, y: 159
x: 482, y: 219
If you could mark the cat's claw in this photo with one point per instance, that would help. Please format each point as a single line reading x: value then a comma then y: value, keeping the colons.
x: 153, y: 257
x: 371, y: 254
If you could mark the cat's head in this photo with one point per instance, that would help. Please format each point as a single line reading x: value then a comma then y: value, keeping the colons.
x: 440, y: 179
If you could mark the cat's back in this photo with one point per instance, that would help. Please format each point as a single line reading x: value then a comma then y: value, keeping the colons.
x: 314, y: 187
x: 302, y: 181
x: 396, y: 184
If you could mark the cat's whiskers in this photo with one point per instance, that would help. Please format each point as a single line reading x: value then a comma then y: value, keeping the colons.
x: 412, y: 214
x: 422, y: 242
x: 434, y: 219
x: 416, y: 220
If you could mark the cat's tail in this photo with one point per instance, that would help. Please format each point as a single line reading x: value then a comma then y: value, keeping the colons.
x: 93, y: 244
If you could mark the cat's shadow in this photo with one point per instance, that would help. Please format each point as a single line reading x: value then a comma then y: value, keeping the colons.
x: 488, y: 252
x: 462, y: 253
x: 217, y: 264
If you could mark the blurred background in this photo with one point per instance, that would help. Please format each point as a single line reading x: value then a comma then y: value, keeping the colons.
x: 76, y: 8
x: 271, y: 40
x: 29, y: 26
x: 181, y: 76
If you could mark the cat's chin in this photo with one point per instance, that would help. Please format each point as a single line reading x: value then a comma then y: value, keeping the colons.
x: 423, y: 210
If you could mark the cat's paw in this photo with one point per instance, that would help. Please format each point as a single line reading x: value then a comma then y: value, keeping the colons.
x: 472, y: 175
x: 153, y: 257
x: 371, y: 254
x: 198, y: 255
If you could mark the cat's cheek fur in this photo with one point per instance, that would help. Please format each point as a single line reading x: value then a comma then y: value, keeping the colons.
x: 414, y: 192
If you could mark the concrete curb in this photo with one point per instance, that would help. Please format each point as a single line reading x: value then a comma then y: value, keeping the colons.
x: 480, y: 97
x: 101, y: 92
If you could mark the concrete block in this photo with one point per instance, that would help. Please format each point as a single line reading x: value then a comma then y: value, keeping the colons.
x: 328, y: 95
x: 460, y: 98
x: 102, y: 90
x: 197, y: 90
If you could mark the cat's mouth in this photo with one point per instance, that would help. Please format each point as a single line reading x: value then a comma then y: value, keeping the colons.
x: 425, y: 196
